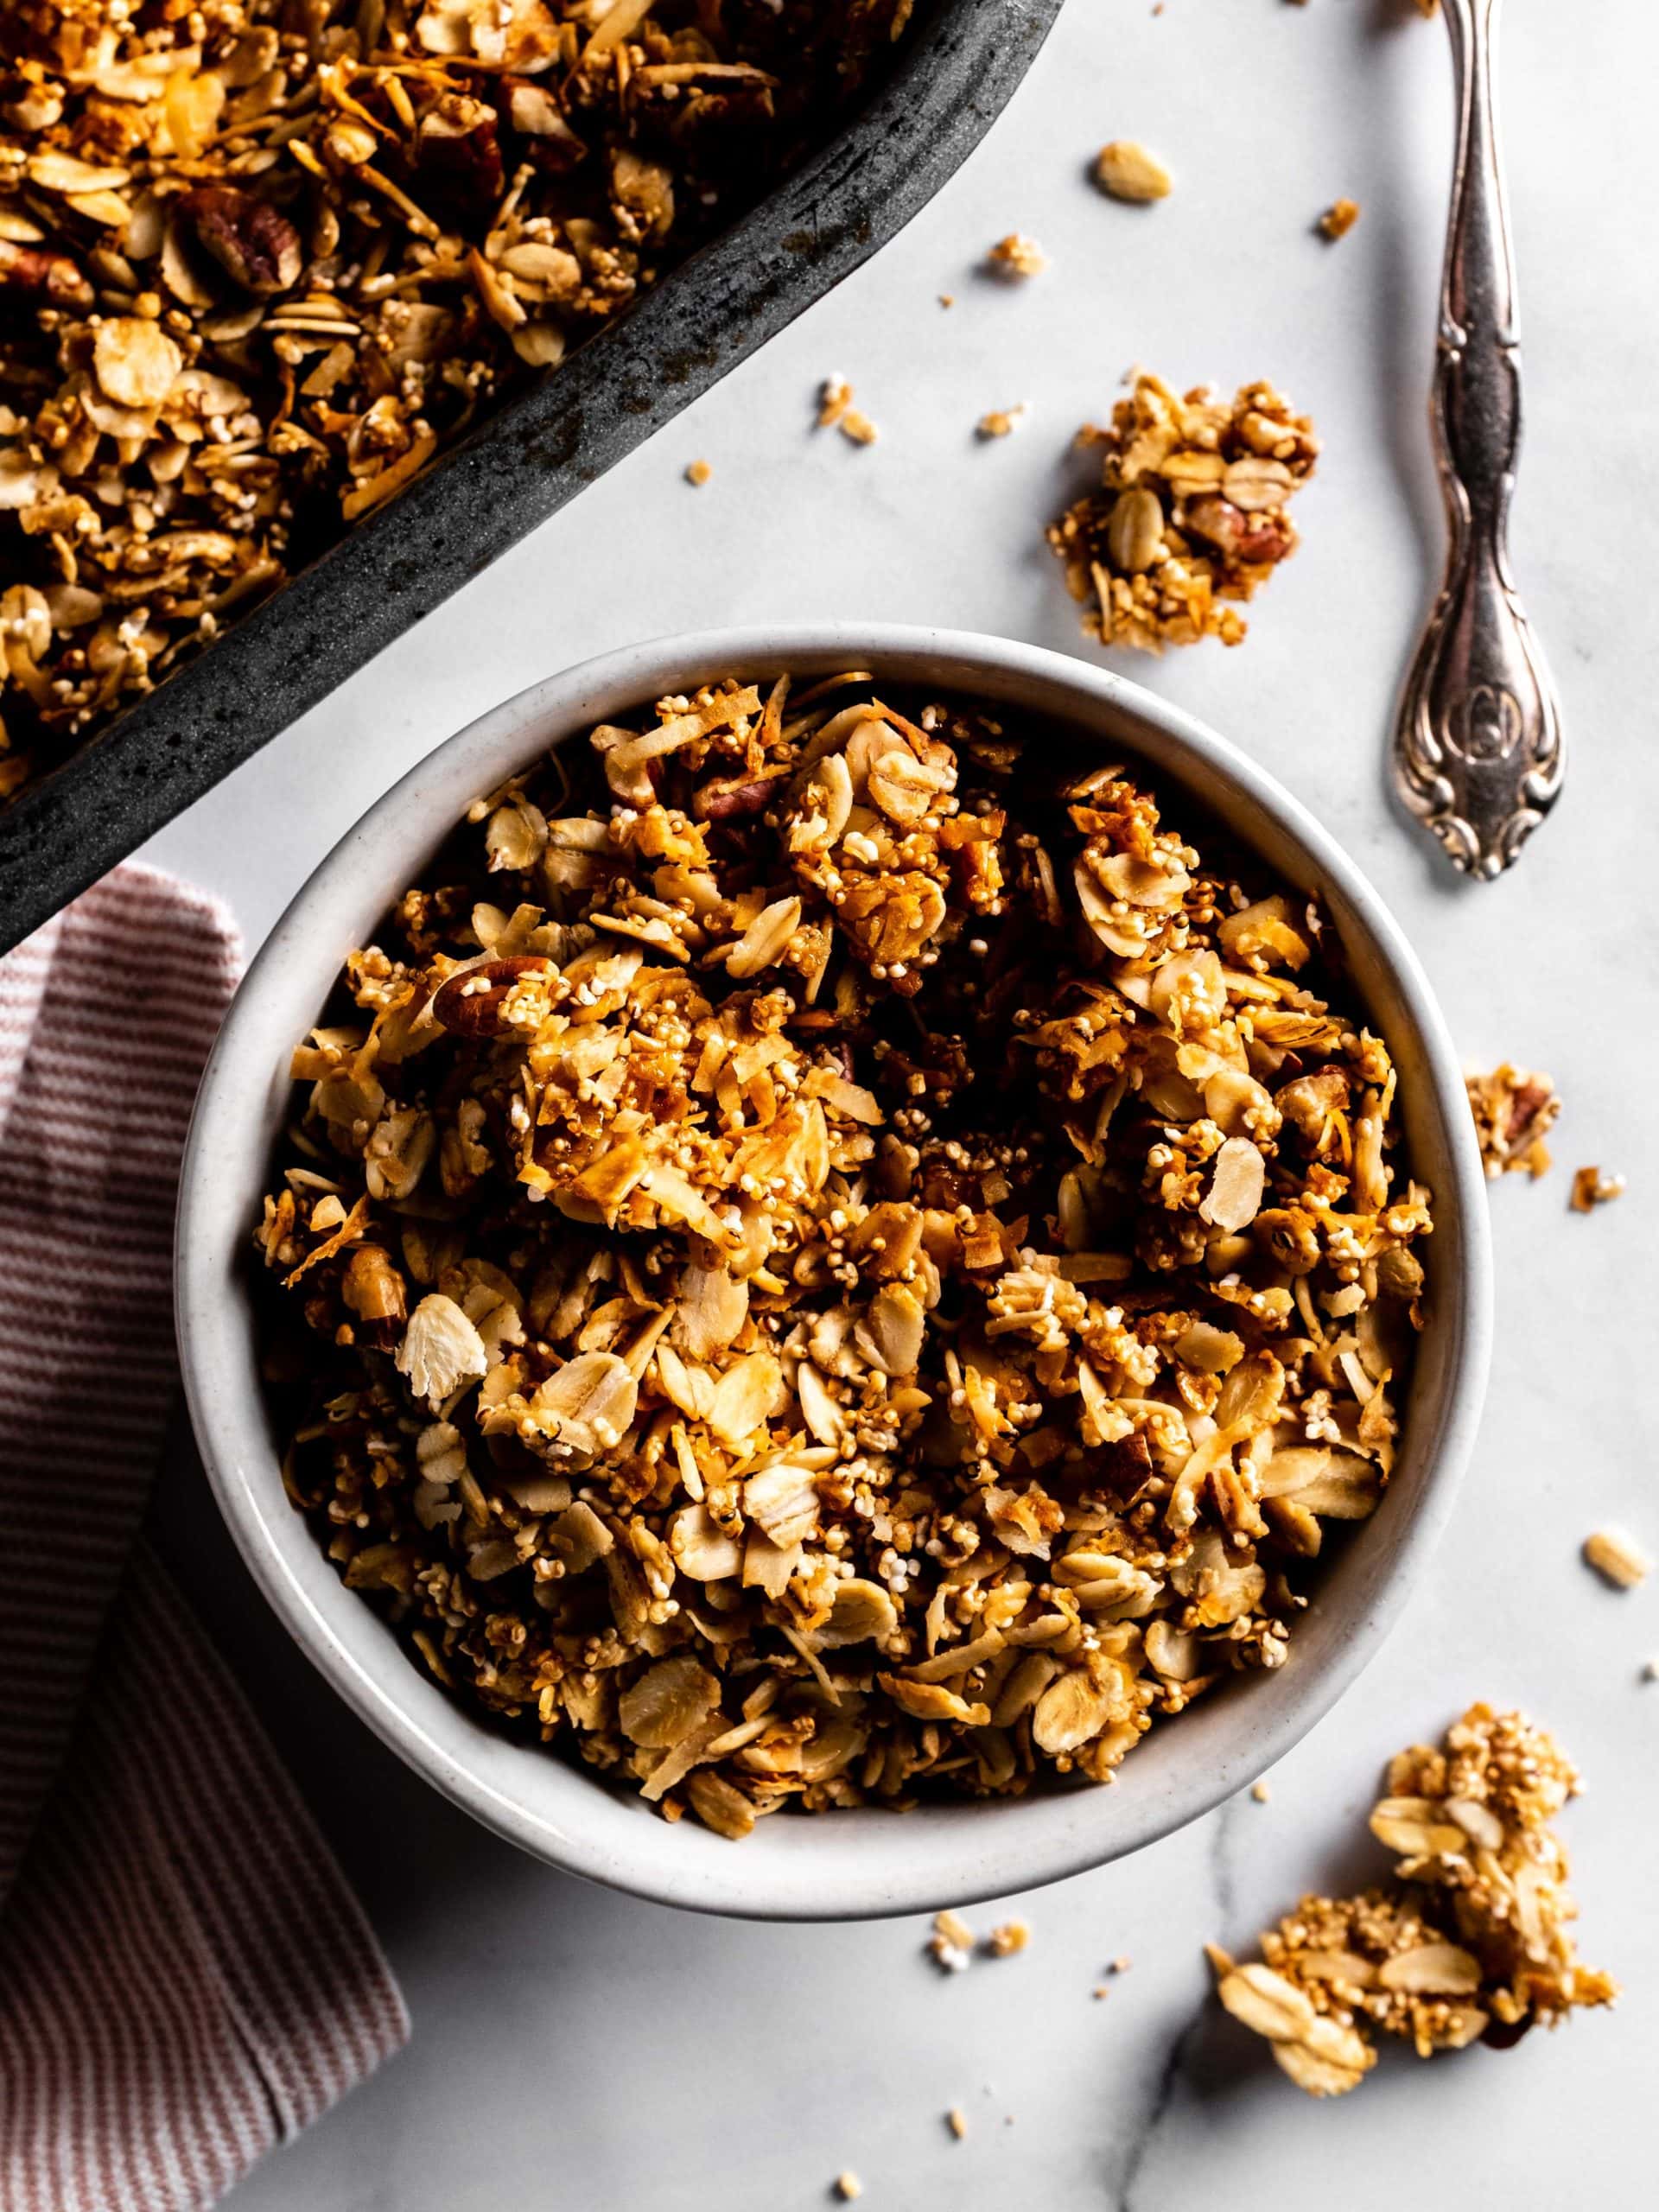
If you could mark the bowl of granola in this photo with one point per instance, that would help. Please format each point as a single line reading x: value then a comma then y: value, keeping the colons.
x: 802, y: 1226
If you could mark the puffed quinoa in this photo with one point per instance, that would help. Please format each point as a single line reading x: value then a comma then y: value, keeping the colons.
x: 1470, y: 1941
x: 843, y: 1258
x: 1191, y: 515
x: 260, y: 260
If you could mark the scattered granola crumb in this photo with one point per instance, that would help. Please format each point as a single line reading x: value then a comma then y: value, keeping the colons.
x: 1650, y: 1671
x: 1513, y: 1110
x: 1101, y: 1990
x: 1261, y: 1793
x: 1192, y: 512
x: 1120, y: 1965
x: 956, y: 2121
x: 947, y: 299
x: 952, y: 1942
x: 1016, y: 256
x: 848, y: 2186
x: 1469, y: 1942
x: 1590, y: 1189
x: 1618, y: 1558
x: 836, y: 412
x: 1339, y: 217
x: 1126, y: 170
x: 698, y: 473
x: 1001, y: 421
x: 1012, y: 1936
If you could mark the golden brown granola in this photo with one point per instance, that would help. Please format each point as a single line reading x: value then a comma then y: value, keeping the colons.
x: 837, y: 412
x: 1016, y: 256
x: 1339, y: 217
x: 1471, y: 1941
x: 259, y: 261
x: 1617, y: 1558
x: 845, y: 1258
x: 1590, y: 1189
x: 1191, y: 516
x: 1128, y: 171
x: 1001, y: 421
x: 1513, y: 1110
x: 698, y: 473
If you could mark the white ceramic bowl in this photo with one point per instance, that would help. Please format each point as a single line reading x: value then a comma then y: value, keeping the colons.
x: 843, y: 1864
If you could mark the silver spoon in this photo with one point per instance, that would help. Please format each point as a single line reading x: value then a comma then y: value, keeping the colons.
x: 1478, y: 751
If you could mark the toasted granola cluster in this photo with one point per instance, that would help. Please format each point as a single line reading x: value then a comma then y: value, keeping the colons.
x: 259, y: 261
x: 845, y: 1258
x: 1514, y: 1112
x: 1471, y: 1941
x: 1191, y: 516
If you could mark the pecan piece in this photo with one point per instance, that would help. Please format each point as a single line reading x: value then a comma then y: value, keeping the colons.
x: 531, y: 110
x: 256, y: 247
x: 1125, y: 1467
x: 471, y: 1003
x: 1244, y: 538
x: 51, y: 277
x: 456, y: 146
x: 729, y: 799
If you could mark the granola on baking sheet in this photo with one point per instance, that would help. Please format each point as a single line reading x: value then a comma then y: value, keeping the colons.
x: 1470, y: 1941
x: 844, y: 1256
x: 1191, y: 517
x: 261, y: 260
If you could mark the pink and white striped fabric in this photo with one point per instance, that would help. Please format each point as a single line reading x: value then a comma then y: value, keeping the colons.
x: 185, y: 1978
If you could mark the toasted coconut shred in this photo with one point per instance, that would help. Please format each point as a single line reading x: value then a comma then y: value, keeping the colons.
x: 1470, y: 1943
x: 844, y: 1259
x: 259, y: 262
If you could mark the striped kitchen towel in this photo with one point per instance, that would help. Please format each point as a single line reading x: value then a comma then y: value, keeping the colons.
x: 185, y: 1978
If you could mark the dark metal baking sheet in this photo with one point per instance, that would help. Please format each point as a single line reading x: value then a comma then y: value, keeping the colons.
x: 953, y: 76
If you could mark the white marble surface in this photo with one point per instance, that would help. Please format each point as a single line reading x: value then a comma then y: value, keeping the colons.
x: 575, y: 2050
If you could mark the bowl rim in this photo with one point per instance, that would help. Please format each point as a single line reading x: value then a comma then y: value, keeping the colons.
x: 821, y: 1870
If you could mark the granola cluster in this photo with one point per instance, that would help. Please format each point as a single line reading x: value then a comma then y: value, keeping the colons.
x: 1192, y: 517
x: 1472, y: 1940
x: 260, y: 260
x: 843, y: 1258
x: 1514, y: 1112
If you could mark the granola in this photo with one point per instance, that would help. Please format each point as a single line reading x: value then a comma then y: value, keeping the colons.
x: 1513, y: 1110
x: 1590, y: 1189
x: 1191, y: 516
x: 842, y: 1259
x: 1470, y: 1943
x: 259, y: 262
x: 1016, y: 256
x: 1126, y: 170
x: 1618, y: 1559
x: 1339, y: 219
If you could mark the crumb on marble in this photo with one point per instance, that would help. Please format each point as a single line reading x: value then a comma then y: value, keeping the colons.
x: 1590, y: 1189
x: 1015, y: 257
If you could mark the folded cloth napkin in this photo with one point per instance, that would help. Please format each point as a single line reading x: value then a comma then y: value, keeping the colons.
x: 185, y: 1978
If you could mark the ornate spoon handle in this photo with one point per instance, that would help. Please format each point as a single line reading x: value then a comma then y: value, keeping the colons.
x: 1477, y: 749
